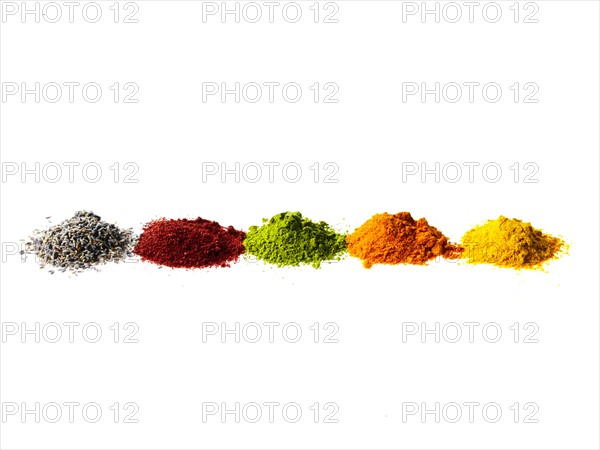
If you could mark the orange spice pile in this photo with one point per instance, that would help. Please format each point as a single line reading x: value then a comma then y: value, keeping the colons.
x: 399, y: 239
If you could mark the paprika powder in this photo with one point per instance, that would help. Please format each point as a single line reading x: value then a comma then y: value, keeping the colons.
x: 190, y: 243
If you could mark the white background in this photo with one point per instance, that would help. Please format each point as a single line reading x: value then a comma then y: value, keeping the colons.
x: 369, y: 134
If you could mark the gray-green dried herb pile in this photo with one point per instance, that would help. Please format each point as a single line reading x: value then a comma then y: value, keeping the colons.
x: 81, y: 242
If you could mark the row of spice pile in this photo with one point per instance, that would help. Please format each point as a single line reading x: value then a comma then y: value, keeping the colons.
x: 288, y: 239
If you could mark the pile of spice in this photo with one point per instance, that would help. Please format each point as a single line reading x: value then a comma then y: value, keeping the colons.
x: 399, y: 239
x: 509, y: 243
x: 80, y: 243
x: 288, y: 239
x: 190, y: 243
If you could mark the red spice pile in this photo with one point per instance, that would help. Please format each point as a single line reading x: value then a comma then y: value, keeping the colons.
x: 190, y: 244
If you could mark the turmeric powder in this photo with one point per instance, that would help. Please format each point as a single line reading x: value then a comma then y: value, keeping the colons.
x: 399, y: 239
x: 509, y: 243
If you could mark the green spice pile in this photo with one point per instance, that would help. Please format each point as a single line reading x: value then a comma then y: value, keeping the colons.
x: 288, y: 239
x: 81, y: 242
x: 509, y: 243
